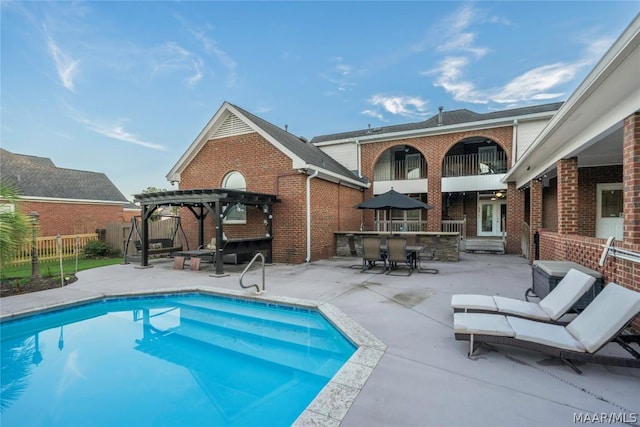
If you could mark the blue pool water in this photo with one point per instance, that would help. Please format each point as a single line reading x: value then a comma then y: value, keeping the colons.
x: 176, y: 360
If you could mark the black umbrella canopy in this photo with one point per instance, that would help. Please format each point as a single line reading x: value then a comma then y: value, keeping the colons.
x: 392, y: 200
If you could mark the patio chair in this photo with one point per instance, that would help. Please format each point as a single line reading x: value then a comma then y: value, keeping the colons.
x: 397, y: 254
x: 426, y: 255
x: 580, y: 341
x: 371, y: 254
x: 549, y: 309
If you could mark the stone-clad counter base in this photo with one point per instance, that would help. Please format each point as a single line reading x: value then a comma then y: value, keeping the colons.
x: 448, y: 246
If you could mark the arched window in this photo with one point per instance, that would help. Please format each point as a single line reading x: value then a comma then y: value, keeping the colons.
x: 234, y: 181
x: 237, y: 213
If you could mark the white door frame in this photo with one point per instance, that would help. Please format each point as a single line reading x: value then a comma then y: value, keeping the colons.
x: 610, y: 226
x: 493, y: 226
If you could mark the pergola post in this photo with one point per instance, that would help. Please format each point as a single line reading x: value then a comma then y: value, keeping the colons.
x: 219, y: 215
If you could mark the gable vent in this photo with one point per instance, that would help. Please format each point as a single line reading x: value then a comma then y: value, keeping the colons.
x: 232, y: 125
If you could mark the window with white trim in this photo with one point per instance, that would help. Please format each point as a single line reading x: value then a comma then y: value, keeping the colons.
x: 237, y: 214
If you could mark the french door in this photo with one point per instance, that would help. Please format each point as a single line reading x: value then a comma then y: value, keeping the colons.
x: 492, y: 212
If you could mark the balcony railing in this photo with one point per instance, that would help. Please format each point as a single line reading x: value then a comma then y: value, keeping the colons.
x: 401, y: 170
x: 474, y: 164
x: 400, y: 225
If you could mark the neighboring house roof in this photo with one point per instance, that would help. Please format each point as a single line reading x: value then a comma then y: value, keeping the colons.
x: 38, y: 177
x: 303, y: 154
x: 447, y: 120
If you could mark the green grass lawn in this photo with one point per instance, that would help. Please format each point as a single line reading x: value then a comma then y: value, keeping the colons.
x: 52, y: 268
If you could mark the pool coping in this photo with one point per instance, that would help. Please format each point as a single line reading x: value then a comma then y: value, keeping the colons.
x: 332, y: 403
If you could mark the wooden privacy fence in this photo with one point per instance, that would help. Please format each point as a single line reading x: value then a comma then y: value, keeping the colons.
x: 48, y: 247
x: 117, y: 233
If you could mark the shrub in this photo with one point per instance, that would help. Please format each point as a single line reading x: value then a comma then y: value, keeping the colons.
x: 96, y: 249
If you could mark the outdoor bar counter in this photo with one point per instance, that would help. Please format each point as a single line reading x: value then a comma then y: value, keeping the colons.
x: 448, y: 244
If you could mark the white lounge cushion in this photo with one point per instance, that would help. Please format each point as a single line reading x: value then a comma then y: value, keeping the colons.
x: 473, y: 302
x: 614, y: 303
x: 566, y: 293
x: 544, y: 333
x: 481, y: 324
x: 520, y: 308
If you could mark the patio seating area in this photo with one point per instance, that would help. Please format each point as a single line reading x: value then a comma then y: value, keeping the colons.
x: 424, y: 377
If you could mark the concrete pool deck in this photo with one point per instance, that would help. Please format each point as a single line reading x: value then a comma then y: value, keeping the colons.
x: 423, y: 378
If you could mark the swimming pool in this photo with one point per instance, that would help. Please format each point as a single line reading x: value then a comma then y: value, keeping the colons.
x: 177, y: 359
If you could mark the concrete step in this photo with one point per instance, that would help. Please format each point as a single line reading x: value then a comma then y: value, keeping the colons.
x: 489, y: 246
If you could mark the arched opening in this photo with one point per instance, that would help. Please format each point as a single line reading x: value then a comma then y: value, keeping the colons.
x: 403, y: 168
x: 401, y: 162
x: 237, y: 213
x: 476, y: 155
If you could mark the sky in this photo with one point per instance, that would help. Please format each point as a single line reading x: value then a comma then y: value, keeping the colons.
x: 124, y: 87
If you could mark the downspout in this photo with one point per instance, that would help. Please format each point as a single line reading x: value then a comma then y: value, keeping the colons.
x: 358, y: 159
x: 514, y: 143
x: 309, y: 178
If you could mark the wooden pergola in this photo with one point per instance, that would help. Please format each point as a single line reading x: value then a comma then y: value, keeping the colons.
x: 203, y: 202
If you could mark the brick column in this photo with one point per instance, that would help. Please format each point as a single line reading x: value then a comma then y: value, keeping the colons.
x: 515, y: 217
x: 568, y: 196
x: 631, y: 179
x: 434, y: 198
x: 535, y: 213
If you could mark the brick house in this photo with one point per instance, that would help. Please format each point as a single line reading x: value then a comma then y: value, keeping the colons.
x: 238, y: 150
x: 68, y: 201
x: 455, y: 161
x: 568, y: 171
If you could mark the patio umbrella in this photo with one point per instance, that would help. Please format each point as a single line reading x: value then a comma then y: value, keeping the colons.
x: 392, y: 200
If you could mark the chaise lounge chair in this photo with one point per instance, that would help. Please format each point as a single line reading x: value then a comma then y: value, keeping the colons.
x: 550, y: 309
x: 601, y: 322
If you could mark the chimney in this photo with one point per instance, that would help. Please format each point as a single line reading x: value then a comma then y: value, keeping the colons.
x: 440, y: 108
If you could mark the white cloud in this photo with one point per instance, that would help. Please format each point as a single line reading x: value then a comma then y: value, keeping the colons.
x: 113, y: 130
x: 66, y: 67
x: 538, y: 83
x: 374, y: 114
x: 456, y: 34
x: 407, y: 106
x: 211, y: 47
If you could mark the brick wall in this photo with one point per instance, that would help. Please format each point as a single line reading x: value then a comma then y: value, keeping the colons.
x: 515, y: 209
x: 268, y: 170
x: 631, y: 174
x: 550, y: 206
x: 568, y: 196
x: 72, y: 218
x: 586, y: 251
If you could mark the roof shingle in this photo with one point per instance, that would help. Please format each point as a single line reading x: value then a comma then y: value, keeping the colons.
x: 38, y: 177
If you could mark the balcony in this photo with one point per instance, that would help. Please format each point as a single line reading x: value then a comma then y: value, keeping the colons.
x: 474, y: 164
x: 412, y: 168
x: 405, y: 176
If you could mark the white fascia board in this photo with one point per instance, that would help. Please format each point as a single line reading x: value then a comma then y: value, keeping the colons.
x: 75, y: 201
x: 334, y: 177
x: 563, y: 134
